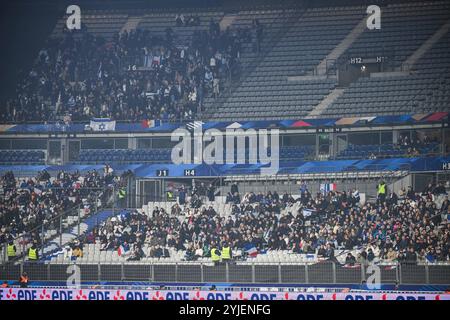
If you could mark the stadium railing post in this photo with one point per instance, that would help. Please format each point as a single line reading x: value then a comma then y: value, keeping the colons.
x: 334, y: 272
x: 42, y: 240
x: 79, y: 220
x: 253, y: 272
x: 427, y: 274
x: 152, y: 273
x: 279, y: 272
x: 176, y: 272
x: 99, y: 272
x: 202, y: 276
x: 399, y: 273
x: 5, y: 254
x: 397, y: 279
x: 23, y: 250
x: 227, y: 275
x: 306, y: 274
x: 122, y: 272
x: 363, y: 272
x: 60, y: 231
x: 48, y: 272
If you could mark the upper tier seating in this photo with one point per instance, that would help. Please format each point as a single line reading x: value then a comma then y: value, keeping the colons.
x: 279, y: 81
x: 425, y: 88
x: 266, y: 91
x: 99, y: 22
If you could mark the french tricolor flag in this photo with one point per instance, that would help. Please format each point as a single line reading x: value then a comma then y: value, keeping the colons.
x: 327, y: 187
x: 251, y: 251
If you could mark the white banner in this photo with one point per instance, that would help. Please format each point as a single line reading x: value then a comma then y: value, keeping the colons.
x: 103, y: 125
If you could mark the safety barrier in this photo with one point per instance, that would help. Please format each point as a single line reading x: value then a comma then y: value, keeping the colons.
x: 259, y: 273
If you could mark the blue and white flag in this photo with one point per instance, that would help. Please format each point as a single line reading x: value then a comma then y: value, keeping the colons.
x: 100, y: 71
x: 103, y: 124
x: 308, y: 212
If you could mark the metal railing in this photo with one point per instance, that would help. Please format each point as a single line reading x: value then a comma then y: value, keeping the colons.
x: 52, y: 230
x: 275, y: 273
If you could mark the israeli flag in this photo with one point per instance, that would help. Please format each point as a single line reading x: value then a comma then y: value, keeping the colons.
x: 308, y: 212
x: 103, y: 124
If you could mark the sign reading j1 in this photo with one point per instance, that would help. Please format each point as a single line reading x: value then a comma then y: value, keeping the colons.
x: 162, y: 173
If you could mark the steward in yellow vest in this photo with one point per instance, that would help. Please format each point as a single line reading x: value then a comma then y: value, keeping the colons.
x: 215, y: 255
x: 226, y: 253
x: 11, y: 250
x: 33, y: 253
x: 381, y: 191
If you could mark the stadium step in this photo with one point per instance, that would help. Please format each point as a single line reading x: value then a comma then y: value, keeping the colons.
x: 323, y: 105
x: 342, y: 47
x: 227, y: 21
x: 131, y: 24
x: 426, y: 46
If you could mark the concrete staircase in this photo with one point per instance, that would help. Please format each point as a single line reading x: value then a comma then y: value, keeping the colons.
x: 327, y: 101
x: 131, y: 24
x: 227, y: 21
x: 342, y: 47
x: 71, y: 234
x: 426, y: 46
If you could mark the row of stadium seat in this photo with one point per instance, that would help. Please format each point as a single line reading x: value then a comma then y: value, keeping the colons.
x: 164, y: 154
x: 22, y: 156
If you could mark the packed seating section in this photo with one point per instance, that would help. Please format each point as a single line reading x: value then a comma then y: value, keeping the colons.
x: 268, y: 227
x: 292, y: 43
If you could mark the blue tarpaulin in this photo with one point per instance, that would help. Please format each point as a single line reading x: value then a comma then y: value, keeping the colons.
x: 287, y: 167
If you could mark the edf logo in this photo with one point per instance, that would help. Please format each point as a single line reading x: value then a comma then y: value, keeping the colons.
x: 374, y: 20
x: 74, y: 20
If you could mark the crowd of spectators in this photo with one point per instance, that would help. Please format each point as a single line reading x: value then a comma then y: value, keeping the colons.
x: 190, y: 21
x: 404, y: 228
x: 135, y: 76
x: 413, y: 144
x: 28, y: 203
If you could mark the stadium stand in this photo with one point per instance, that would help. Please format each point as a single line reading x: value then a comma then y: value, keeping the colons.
x: 270, y: 70
x: 29, y: 207
x: 213, y: 65
x: 133, y: 76
x: 266, y: 92
x: 273, y: 228
x: 404, y: 28
x: 423, y: 87
x: 104, y: 23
